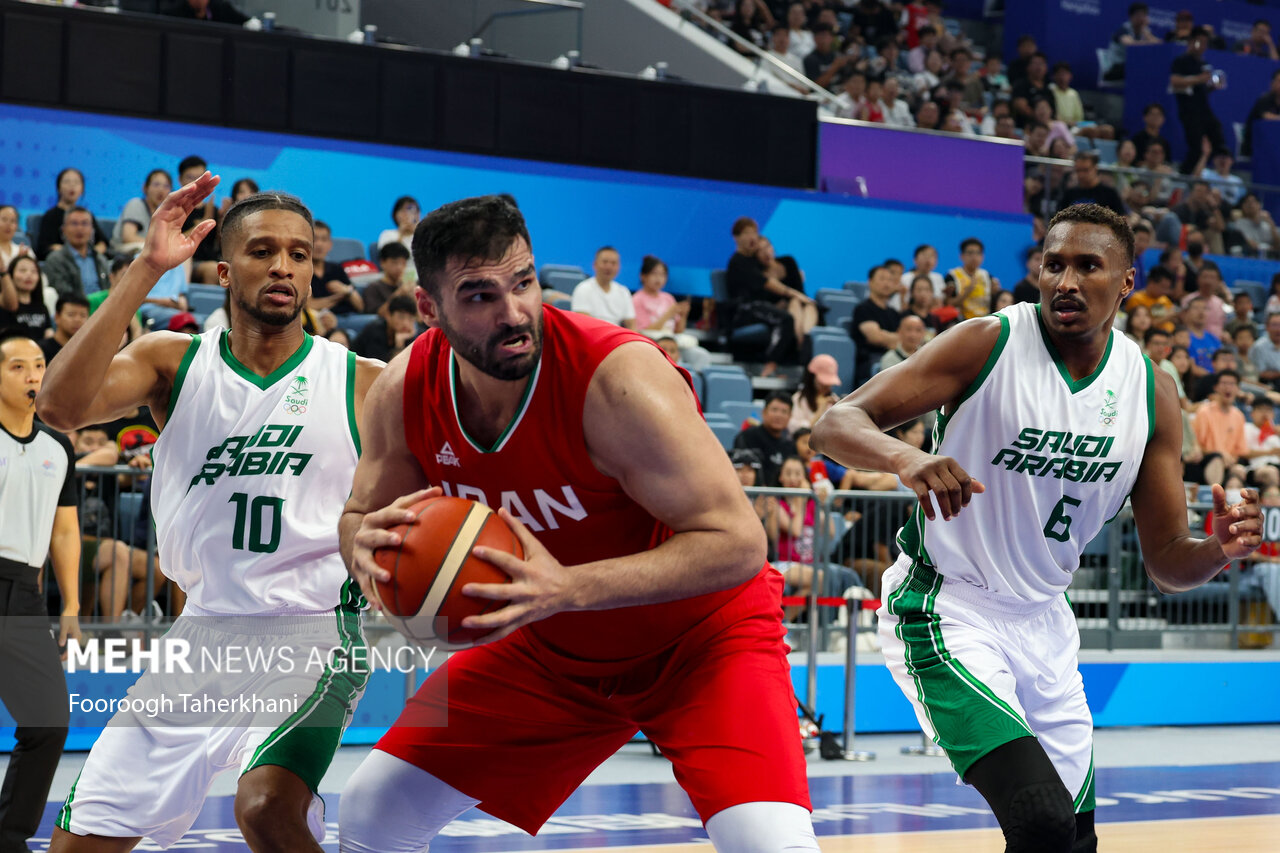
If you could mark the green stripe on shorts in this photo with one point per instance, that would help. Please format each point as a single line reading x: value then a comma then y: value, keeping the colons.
x: 969, y: 720
x: 1086, y: 801
x: 306, y: 742
x: 63, y: 821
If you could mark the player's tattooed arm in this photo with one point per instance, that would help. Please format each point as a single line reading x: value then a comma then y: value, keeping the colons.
x: 1175, y: 560
x: 852, y: 432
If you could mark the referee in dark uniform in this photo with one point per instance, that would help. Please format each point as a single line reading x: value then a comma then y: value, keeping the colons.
x: 37, y: 518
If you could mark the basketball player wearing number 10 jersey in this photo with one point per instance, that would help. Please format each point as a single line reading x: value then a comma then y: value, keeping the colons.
x: 258, y: 445
x: 643, y: 603
x: 1049, y: 420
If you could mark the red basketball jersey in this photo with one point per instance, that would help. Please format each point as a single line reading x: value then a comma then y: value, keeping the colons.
x: 540, y: 470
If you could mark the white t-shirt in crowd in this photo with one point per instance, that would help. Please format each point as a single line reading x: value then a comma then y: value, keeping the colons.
x: 614, y: 306
x: 939, y: 287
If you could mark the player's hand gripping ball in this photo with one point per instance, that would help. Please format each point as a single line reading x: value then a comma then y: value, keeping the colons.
x: 423, y: 599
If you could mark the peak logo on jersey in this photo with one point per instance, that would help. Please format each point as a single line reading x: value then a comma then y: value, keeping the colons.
x: 1109, y: 412
x: 1059, y: 454
x: 242, y: 461
x: 295, y: 398
x: 446, y: 456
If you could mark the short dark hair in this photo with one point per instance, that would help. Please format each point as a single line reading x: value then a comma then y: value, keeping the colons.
x: 971, y: 241
x: 403, y: 201
x: 402, y: 305
x: 923, y: 247
x: 190, y: 162
x: 17, y: 333
x: 119, y: 262
x: 777, y: 397
x: 70, y: 299
x: 1154, y: 106
x: 1032, y: 250
x: 1034, y: 124
x: 871, y: 273
x: 926, y: 30
x: 1091, y: 156
x: 1040, y: 54
x: 1153, y: 332
x: 1159, y: 273
x: 742, y: 223
x: 232, y: 223
x: 1061, y: 66
x: 605, y: 249
x: 1222, y: 351
x: 1096, y: 214
x: 147, y: 182
x: 393, y: 250
x: 1209, y: 266
x: 956, y: 51
x: 1198, y: 32
x: 1250, y: 193
x: 1025, y: 38
x: 76, y: 209
x: 1143, y: 227
x: 888, y: 262
x: 1135, y: 8
x: 1223, y: 374
x: 320, y: 224
x: 482, y: 227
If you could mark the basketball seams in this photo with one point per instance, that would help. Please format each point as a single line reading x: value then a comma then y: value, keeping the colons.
x: 490, y: 606
x: 455, y: 558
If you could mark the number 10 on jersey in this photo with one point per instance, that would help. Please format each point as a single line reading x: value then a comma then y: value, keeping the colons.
x: 256, y: 511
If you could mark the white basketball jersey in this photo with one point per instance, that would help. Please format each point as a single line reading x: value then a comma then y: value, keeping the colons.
x: 1058, y: 457
x: 251, y: 474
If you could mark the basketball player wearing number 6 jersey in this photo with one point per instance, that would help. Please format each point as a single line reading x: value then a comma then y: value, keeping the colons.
x: 258, y: 444
x: 643, y: 601
x: 1048, y: 420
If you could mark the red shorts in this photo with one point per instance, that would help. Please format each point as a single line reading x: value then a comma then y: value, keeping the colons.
x: 518, y: 727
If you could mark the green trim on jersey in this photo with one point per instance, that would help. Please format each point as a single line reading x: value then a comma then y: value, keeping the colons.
x: 968, y: 719
x: 1151, y: 398
x: 351, y: 401
x: 911, y: 536
x: 63, y: 821
x: 515, y: 419
x: 263, y: 382
x: 1074, y: 385
x: 1086, y: 800
x: 181, y: 376
x: 306, y: 742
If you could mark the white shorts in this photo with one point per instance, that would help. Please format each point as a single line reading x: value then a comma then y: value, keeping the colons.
x: 978, y: 679
x: 271, y: 689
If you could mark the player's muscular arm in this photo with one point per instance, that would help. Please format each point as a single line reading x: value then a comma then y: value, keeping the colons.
x: 1175, y: 560
x: 642, y: 428
x: 89, y: 382
x: 852, y: 431
x: 388, y: 478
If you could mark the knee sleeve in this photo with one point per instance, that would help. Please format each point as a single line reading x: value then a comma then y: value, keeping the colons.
x: 1041, y: 820
x: 391, y: 806
x: 1086, y: 838
x: 762, y: 828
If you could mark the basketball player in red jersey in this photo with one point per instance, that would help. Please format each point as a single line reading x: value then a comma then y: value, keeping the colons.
x: 643, y: 602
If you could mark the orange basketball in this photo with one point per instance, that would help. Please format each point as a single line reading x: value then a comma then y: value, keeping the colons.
x: 423, y: 599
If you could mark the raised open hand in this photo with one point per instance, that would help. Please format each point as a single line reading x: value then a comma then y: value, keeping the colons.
x: 166, y: 246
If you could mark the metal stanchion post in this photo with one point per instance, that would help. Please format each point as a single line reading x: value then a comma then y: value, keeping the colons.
x: 848, y: 753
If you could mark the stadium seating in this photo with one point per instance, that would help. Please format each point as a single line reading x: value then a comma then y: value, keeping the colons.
x: 724, y: 430
x: 860, y: 289
x: 753, y: 337
x: 205, y: 298
x: 722, y: 383
x: 572, y: 269
x: 837, y: 305
x: 836, y: 342
x: 562, y: 280
x: 346, y: 249
x: 353, y: 324
x: 739, y: 410
x: 1257, y: 293
x: 33, y: 226
x: 696, y: 378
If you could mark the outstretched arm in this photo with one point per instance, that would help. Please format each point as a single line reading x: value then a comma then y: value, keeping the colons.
x: 1175, y: 560
x: 89, y: 382
x: 852, y: 431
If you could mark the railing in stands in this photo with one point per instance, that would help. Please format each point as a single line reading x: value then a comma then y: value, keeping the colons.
x: 763, y: 59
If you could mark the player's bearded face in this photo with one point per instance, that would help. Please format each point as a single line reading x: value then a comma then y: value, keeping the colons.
x: 490, y: 354
x: 261, y: 309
